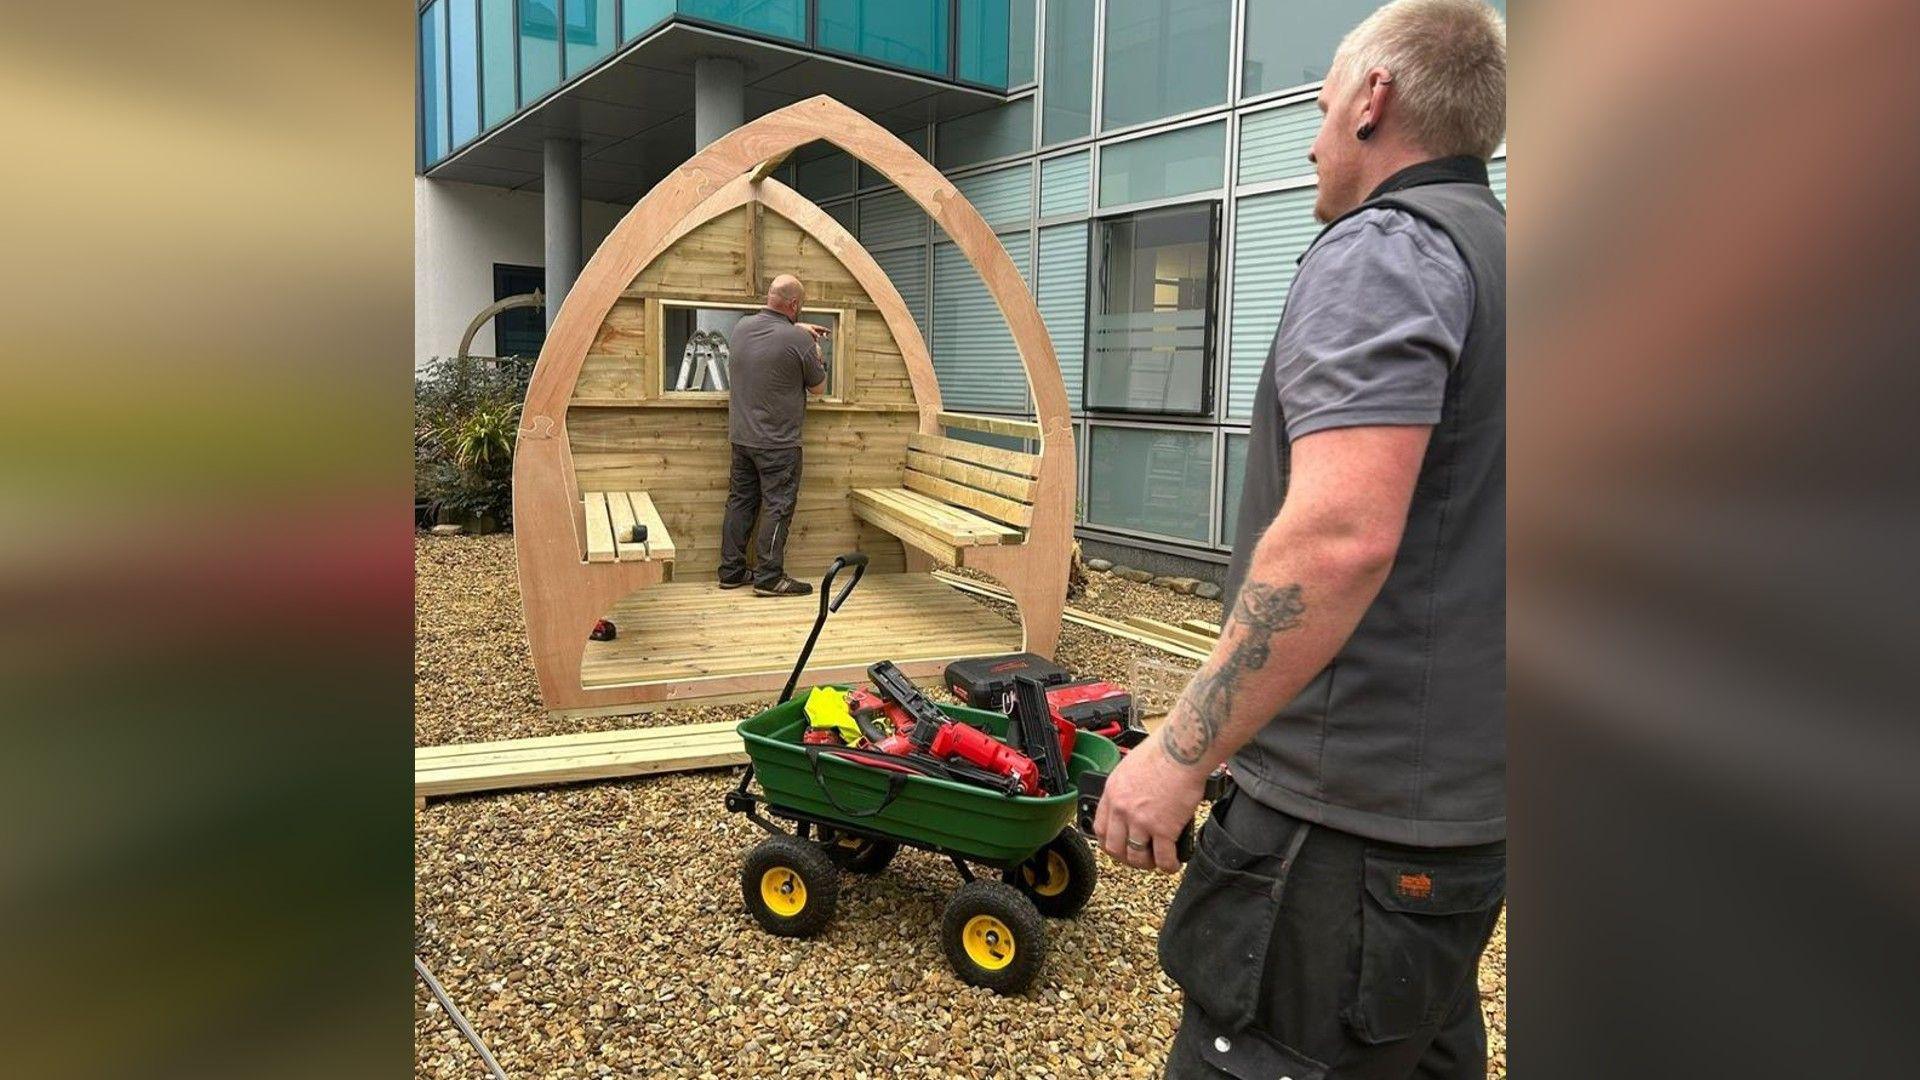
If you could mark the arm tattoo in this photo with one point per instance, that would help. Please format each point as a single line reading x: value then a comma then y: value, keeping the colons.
x: 1262, y: 612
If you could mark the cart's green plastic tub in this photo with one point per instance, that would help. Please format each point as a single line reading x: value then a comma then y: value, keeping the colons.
x: 973, y: 822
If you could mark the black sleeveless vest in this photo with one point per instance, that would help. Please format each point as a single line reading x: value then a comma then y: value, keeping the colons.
x: 1402, y: 738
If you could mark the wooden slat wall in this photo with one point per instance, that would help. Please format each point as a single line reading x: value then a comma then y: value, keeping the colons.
x: 680, y: 456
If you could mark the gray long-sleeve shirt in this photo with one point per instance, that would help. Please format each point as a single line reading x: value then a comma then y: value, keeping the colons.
x: 770, y: 364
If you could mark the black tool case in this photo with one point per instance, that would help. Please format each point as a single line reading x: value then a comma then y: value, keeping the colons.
x: 986, y: 682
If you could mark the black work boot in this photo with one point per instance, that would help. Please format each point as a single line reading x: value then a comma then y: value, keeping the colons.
x: 782, y: 586
x: 734, y: 581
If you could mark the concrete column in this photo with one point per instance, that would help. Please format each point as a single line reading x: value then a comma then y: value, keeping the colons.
x: 719, y: 99
x: 562, y: 223
x: 719, y: 106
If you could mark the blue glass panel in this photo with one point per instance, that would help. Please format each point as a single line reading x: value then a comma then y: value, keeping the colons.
x: 907, y: 35
x: 496, y: 59
x: 589, y: 33
x: 1069, y: 71
x: 1020, y: 42
x: 539, y: 48
x: 463, y: 68
x: 984, y: 42
x: 1164, y: 58
x: 780, y: 18
x: 639, y: 16
x: 433, y: 83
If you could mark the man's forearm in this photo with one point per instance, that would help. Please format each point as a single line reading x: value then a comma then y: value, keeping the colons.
x: 1303, y: 596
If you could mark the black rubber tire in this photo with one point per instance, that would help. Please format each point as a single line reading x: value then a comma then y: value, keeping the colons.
x: 1002, y: 902
x: 815, y: 873
x: 864, y: 856
x: 1070, y: 854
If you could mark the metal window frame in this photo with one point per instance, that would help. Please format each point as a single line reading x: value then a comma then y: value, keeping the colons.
x: 1096, y: 280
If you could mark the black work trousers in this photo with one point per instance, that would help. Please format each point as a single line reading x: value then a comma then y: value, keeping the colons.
x: 1310, y: 953
x: 767, y: 483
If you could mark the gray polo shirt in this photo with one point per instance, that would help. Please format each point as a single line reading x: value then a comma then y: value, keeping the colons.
x: 770, y: 364
x: 1378, y: 315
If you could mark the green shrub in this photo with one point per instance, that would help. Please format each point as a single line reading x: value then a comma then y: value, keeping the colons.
x: 466, y: 416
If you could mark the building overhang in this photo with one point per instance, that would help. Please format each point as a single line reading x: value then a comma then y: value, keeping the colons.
x: 633, y: 115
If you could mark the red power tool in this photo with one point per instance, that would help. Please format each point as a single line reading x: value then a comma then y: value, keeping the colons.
x: 920, y: 728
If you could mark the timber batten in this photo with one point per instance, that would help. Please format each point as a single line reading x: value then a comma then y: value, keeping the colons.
x: 604, y: 433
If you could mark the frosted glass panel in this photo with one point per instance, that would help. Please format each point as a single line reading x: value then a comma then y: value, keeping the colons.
x: 1150, y: 481
x: 1063, y: 185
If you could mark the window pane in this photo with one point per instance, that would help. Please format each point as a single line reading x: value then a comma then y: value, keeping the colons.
x: 1176, y: 163
x: 973, y: 352
x: 983, y: 42
x: 463, y: 69
x: 1274, y: 144
x: 983, y: 136
x: 1063, y: 185
x: 1291, y: 44
x: 1232, y: 484
x: 497, y: 45
x: 1150, y: 335
x: 1068, y: 42
x: 1269, y: 233
x: 1004, y: 197
x: 1020, y: 42
x: 1164, y: 57
x: 780, y: 18
x: 891, y: 219
x: 433, y: 83
x: 904, y: 35
x: 1497, y: 178
x: 914, y: 137
x: 1060, y: 289
x: 694, y: 345
x: 907, y: 269
x: 589, y: 33
x: 539, y: 48
x: 639, y: 16
x: 842, y: 213
x: 1150, y: 481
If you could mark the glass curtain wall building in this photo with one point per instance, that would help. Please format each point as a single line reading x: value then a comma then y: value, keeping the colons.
x: 1149, y: 177
x: 1142, y: 161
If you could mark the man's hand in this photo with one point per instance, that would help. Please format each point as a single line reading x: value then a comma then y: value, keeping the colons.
x: 1147, y: 801
x: 819, y: 332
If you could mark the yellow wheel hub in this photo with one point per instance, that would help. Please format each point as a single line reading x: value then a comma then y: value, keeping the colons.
x: 988, y: 942
x: 1055, y: 882
x: 783, y: 892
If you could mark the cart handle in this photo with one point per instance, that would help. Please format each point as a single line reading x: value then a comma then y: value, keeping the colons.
x: 895, y: 782
x: 855, y: 559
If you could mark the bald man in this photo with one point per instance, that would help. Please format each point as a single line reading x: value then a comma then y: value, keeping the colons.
x: 773, y: 365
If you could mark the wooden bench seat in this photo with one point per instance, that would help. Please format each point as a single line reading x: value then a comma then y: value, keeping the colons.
x: 611, y: 516
x: 957, y: 494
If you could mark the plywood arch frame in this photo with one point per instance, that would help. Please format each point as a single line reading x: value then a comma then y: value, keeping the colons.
x: 561, y: 592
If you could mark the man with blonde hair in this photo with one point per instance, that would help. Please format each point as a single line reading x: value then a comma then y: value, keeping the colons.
x: 1342, y: 891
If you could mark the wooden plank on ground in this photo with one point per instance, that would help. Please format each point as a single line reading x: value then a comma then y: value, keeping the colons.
x: 1080, y: 618
x: 992, y: 425
x: 1172, y: 633
x: 1201, y: 626
x: 567, y: 759
x: 599, y: 527
x: 993, y: 457
x: 992, y: 506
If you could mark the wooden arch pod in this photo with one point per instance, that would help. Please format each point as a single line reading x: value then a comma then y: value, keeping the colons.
x: 562, y: 594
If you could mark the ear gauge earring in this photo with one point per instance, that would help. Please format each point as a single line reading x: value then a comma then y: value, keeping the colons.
x: 1365, y: 132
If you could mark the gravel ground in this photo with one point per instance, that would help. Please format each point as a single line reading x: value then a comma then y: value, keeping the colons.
x: 597, y: 930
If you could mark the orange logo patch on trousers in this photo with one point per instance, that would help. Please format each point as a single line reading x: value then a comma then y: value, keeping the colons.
x: 1415, y: 886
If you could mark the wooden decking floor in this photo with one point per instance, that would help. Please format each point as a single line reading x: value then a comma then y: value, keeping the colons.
x: 685, y: 630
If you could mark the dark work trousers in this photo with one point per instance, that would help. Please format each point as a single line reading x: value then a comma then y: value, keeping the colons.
x: 1314, y: 954
x: 766, y: 482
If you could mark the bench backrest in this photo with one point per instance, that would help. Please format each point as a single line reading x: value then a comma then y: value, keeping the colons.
x: 988, y: 480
